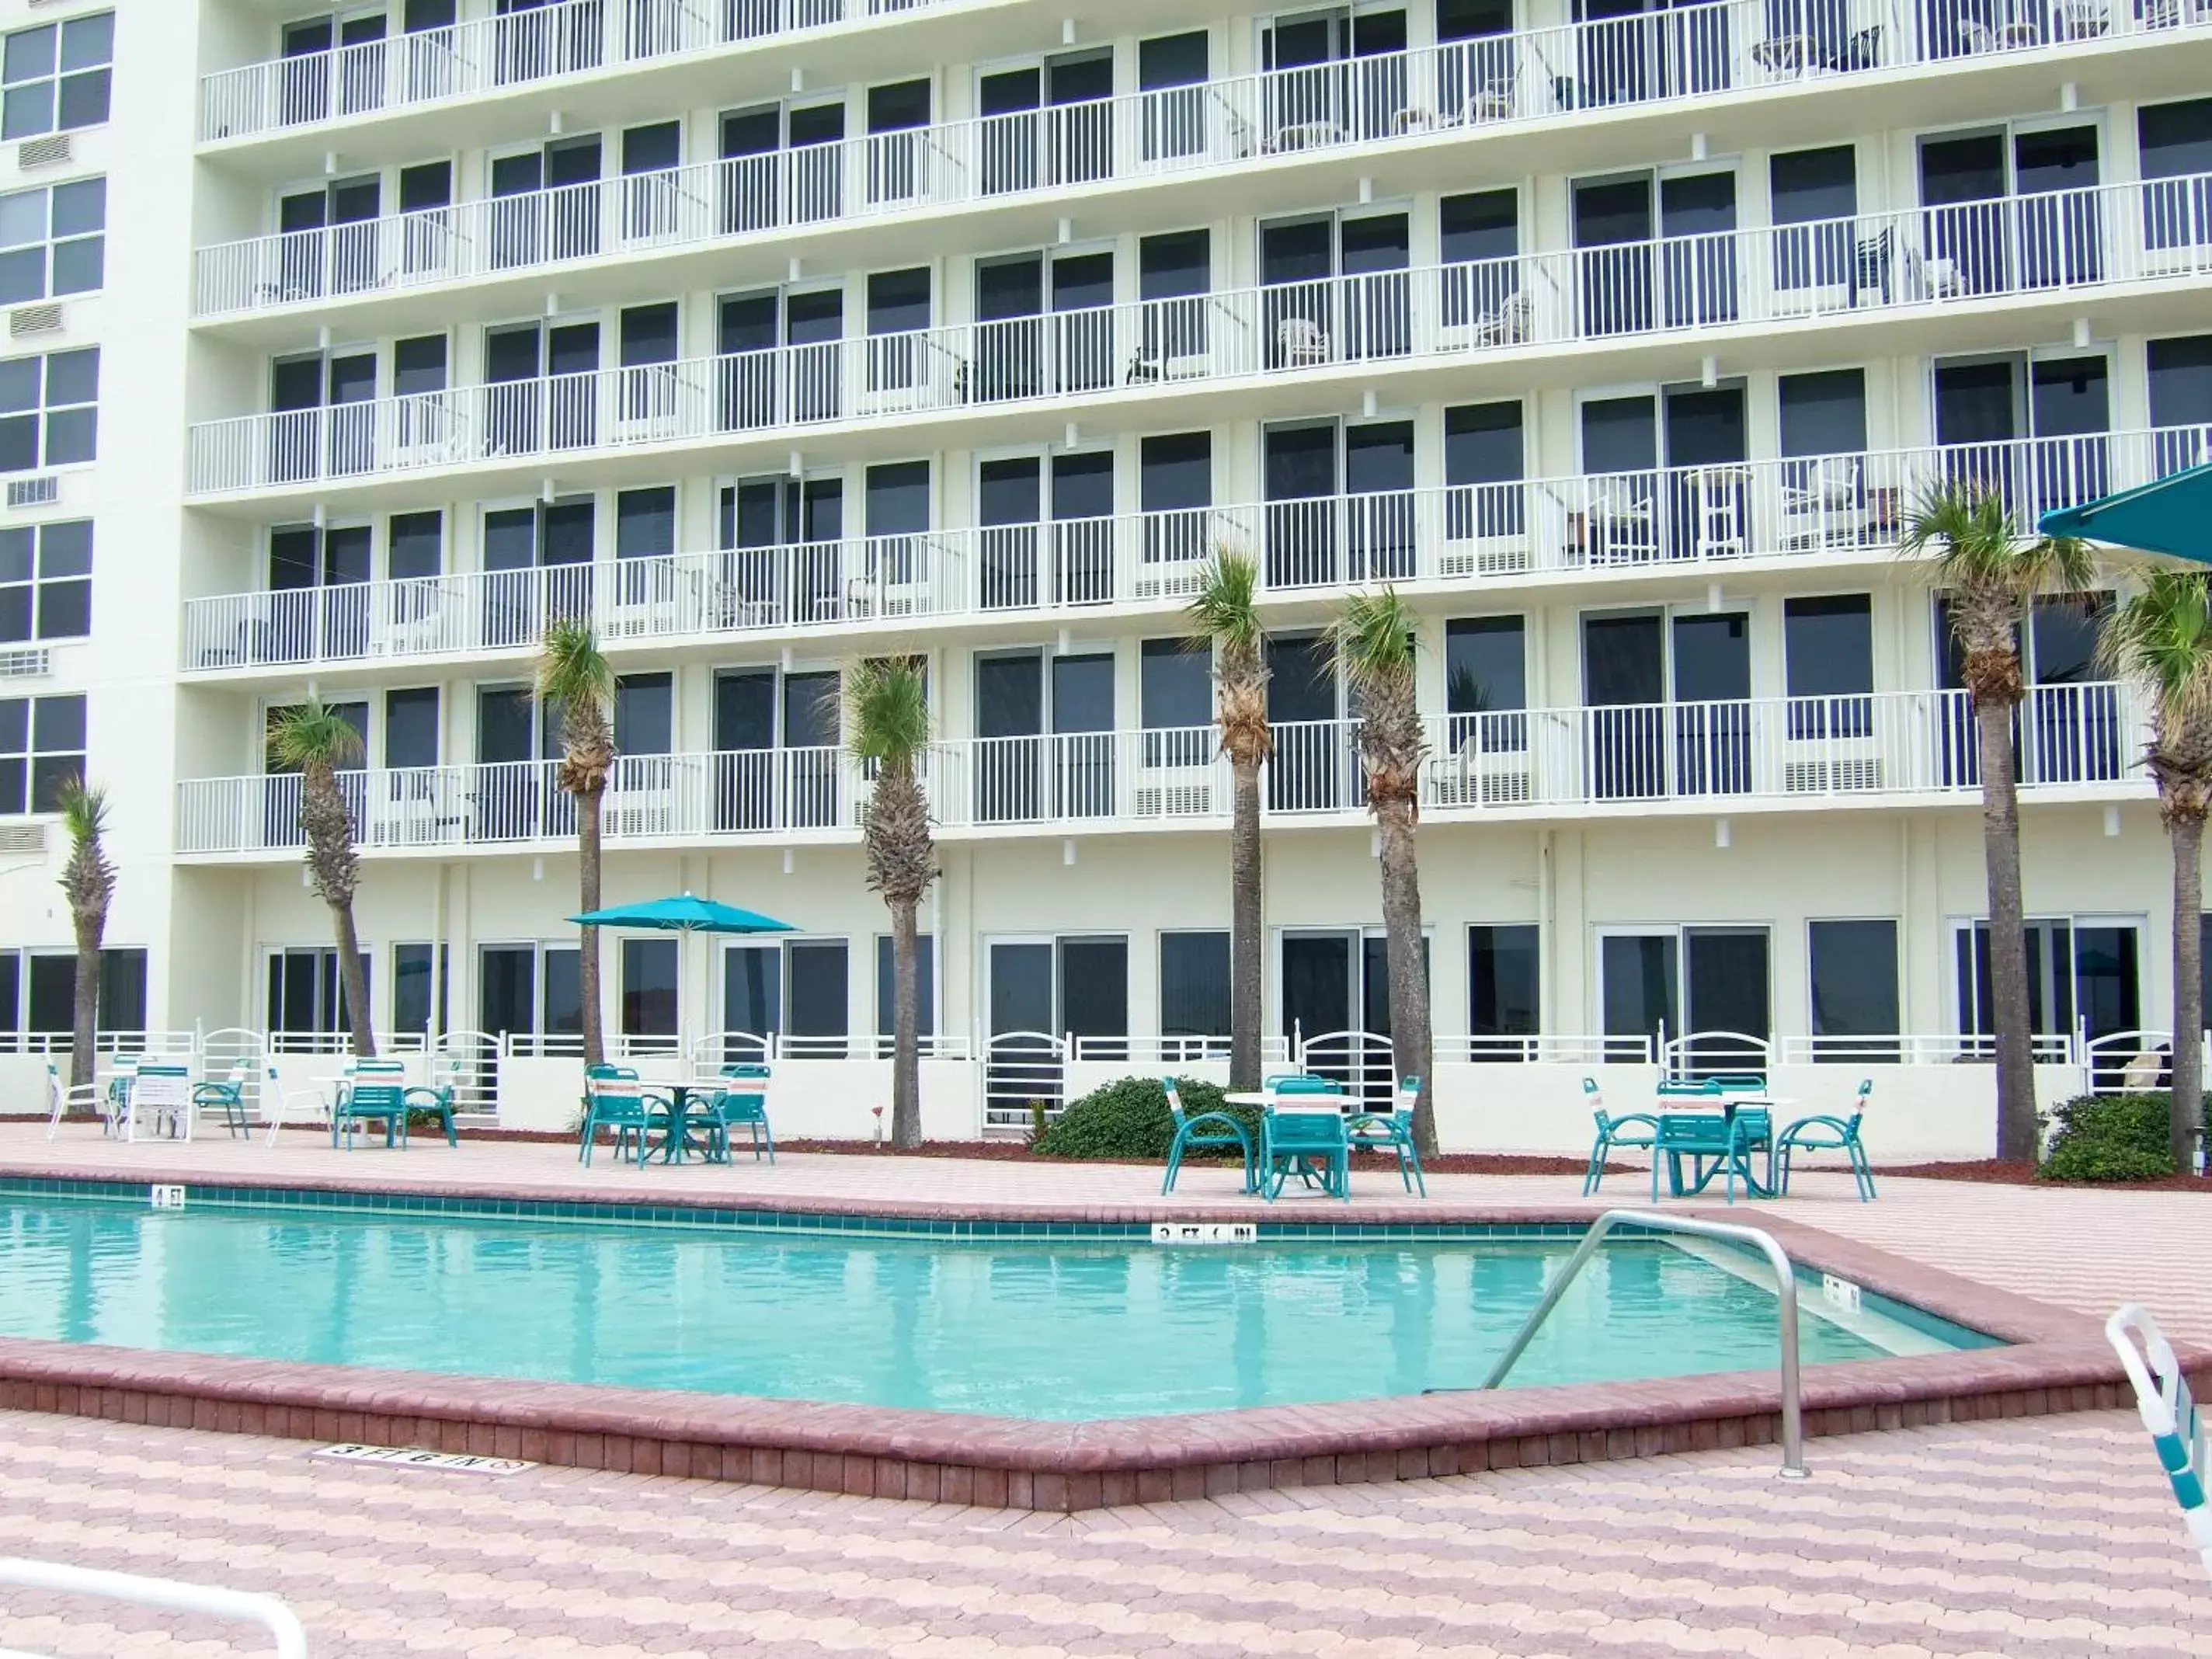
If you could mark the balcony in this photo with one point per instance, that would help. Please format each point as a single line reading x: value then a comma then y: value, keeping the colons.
x: 1603, y: 525
x: 1924, y: 261
x: 1912, y: 747
x: 1655, y: 58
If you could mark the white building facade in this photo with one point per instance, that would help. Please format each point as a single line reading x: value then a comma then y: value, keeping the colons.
x: 770, y: 334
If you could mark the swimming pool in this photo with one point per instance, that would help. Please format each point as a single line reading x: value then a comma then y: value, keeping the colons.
x: 1055, y: 1328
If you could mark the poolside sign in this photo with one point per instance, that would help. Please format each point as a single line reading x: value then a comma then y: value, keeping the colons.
x: 421, y: 1457
x: 1205, y: 1232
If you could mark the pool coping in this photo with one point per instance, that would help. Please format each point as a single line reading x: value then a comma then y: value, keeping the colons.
x: 2054, y: 1360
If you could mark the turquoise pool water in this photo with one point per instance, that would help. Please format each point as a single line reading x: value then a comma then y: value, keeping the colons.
x: 1046, y: 1328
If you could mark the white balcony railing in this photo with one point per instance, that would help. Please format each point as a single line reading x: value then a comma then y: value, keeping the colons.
x: 488, y: 54
x: 2065, y: 241
x: 1671, y: 518
x: 1910, y: 744
x: 1662, y: 57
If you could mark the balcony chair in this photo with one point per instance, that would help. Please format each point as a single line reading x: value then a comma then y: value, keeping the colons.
x: 1393, y: 1132
x: 1206, y: 1131
x: 1300, y: 341
x: 1824, y: 1133
x: 1622, y: 526
x: 1823, y: 507
x: 1637, y: 1130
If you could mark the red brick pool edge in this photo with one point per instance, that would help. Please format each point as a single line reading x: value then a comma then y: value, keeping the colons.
x: 2055, y: 1361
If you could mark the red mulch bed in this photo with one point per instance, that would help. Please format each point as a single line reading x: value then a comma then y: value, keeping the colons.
x: 2018, y: 1172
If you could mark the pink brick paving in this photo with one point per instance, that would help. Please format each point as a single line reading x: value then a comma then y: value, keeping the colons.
x: 2039, y: 1535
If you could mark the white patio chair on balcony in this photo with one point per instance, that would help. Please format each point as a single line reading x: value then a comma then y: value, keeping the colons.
x: 1301, y: 341
x: 1622, y: 526
x: 1821, y: 506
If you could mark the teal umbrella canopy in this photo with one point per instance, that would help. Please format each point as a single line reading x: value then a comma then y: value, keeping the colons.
x: 2173, y: 515
x: 685, y: 914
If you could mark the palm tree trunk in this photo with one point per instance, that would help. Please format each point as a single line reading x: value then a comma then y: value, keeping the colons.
x: 588, y: 803
x: 2186, y: 830
x: 84, y: 1011
x: 906, y: 1030
x: 1246, y: 1007
x: 2017, y: 1135
x: 1412, y: 1043
x: 353, y: 981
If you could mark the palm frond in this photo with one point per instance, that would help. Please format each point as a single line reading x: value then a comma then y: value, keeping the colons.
x: 572, y: 674
x: 1223, y: 609
x: 887, y: 710
x: 304, y: 735
x: 1970, y: 541
x: 1374, y: 640
x: 83, y: 809
x: 2162, y: 638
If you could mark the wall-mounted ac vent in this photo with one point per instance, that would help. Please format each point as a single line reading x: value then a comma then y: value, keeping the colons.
x: 22, y: 837
x: 53, y: 152
x: 25, y: 662
x: 34, y: 492
x: 34, y: 319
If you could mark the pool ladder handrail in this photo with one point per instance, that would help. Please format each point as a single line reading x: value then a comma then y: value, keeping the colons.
x: 242, y: 1606
x: 1785, y: 1278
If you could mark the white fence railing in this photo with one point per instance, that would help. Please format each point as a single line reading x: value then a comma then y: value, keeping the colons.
x: 1670, y: 56
x: 478, y: 55
x: 1865, y: 746
x: 2066, y: 241
x: 1459, y: 533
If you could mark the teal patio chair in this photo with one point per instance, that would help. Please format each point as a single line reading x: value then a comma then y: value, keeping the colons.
x: 1393, y: 1132
x: 622, y: 1105
x: 741, y: 1104
x: 1715, y: 1145
x: 1302, y: 1083
x: 227, y: 1096
x: 435, y: 1099
x: 368, y: 1098
x: 1822, y: 1133
x: 1307, y: 1144
x: 2169, y: 1413
x: 1633, y: 1131
x: 1206, y: 1131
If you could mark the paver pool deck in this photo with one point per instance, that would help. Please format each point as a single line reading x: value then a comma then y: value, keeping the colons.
x: 2027, y: 1536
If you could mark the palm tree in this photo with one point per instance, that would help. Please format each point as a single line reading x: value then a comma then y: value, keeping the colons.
x: 1224, y: 613
x: 89, y: 880
x: 315, y: 740
x: 887, y: 729
x: 573, y: 679
x: 2162, y: 638
x: 1992, y: 574
x: 1374, y: 645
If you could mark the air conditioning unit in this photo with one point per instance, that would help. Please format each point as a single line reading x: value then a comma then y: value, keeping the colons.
x: 22, y: 837
x: 43, y: 491
x: 49, y: 152
x: 1501, y: 787
x: 34, y: 319
x: 1852, y: 775
x: 648, y: 816
x: 1486, y: 555
x: 1175, y: 800
x: 29, y: 663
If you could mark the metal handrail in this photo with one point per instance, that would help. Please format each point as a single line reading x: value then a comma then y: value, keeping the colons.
x: 1793, y: 1425
x: 267, y: 1611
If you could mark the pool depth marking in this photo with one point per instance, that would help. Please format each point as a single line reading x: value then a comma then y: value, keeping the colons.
x: 422, y: 1457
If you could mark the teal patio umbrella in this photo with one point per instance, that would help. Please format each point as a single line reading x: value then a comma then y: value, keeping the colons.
x: 2173, y: 515
x: 683, y: 914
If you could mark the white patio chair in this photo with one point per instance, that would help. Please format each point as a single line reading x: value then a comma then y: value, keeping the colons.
x: 279, y: 1101
x: 81, y: 1098
x: 2169, y: 1413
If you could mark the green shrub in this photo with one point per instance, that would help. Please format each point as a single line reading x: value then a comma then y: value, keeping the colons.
x: 2110, y: 1138
x: 1129, y: 1119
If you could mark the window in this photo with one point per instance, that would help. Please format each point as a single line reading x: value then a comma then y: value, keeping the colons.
x: 925, y: 969
x: 56, y: 78
x: 1485, y: 684
x: 37, y: 992
x: 1828, y: 656
x: 1670, y: 983
x: 644, y: 714
x: 50, y: 240
x: 41, y: 747
x: 306, y: 997
x: 1194, y: 990
x: 531, y: 991
x: 49, y: 410
x: 417, y: 545
x: 45, y: 581
x: 1853, y: 967
x: 418, y: 988
x: 648, y: 987
x: 1501, y: 989
x: 1823, y: 413
x: 798, y: 989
